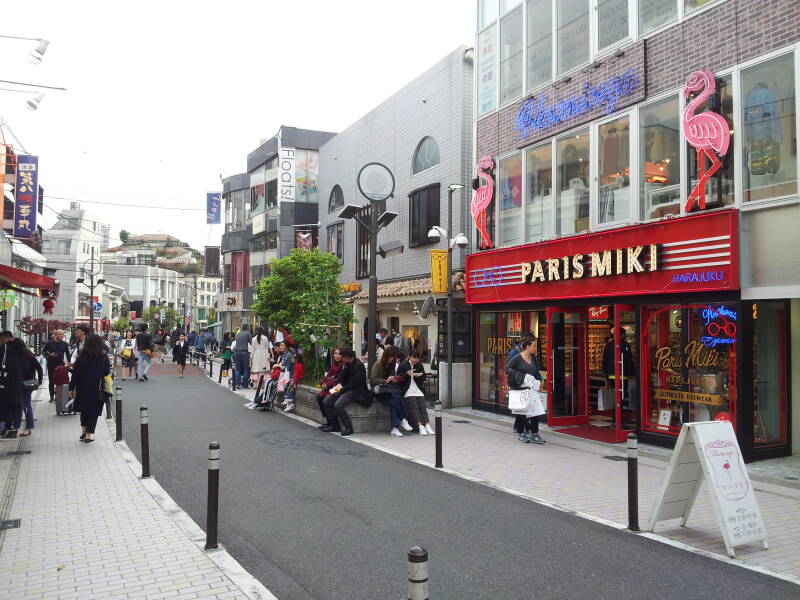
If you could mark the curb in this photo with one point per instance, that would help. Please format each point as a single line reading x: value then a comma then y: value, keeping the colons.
x: 230, y: 567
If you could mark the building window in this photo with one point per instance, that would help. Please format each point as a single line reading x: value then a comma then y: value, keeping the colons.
x: 572, y: 201
x: 336, y: 199
x: 614, y: 171
x: 573, y: 34
x: 689, y: 6
x: 769, y: 132
x: 258, y: 243
x: 539, y: 200
x: 612, y: 22
x: 272, y: 193
x: 540, y: 42
x: 487, y: 70
x: 659, y: 159
x: 770, y: 366
x: 487, y: 11
x: 511, y: 55
x: 425, y: 213
x: 336, y: 240
x: 427, y: 155
x: 655, y: 13
x: 509, y: 194
x: 719, y: 189
x: 271, y: 240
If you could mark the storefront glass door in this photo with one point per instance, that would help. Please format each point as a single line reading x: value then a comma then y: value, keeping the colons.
x: 567, y: 372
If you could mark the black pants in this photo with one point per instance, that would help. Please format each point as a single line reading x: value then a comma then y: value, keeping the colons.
x: 336, y: 410
x: 8, y: 414
x: 51, y: 385
x: 526, y: 424
x: 320, y: 401
x: 88, y: 421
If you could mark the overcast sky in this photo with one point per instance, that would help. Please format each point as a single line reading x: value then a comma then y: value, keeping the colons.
x: 163, y: 97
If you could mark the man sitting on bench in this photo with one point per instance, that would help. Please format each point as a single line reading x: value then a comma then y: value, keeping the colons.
x: 352, y: 387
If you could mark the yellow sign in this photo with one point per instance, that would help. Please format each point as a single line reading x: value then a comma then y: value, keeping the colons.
x: 439, y: 271
x: 681, y: 396
x: 353, y: 286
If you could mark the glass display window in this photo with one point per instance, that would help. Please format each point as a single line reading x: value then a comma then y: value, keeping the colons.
x: 509, y: 196
x: 689, y: 365
x: 614, y: 171
x: 659, y: 158
x: 572, y: 201
x: 770, y: 364
x: 539, y: 195
x: 511, y: 55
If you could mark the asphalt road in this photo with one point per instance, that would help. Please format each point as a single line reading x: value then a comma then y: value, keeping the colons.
x: 316, y: 516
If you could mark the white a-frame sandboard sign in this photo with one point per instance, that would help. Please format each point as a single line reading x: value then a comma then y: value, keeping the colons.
x: 710, y: 449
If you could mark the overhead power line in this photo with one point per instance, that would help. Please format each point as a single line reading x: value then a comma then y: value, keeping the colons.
x: 123, y: 204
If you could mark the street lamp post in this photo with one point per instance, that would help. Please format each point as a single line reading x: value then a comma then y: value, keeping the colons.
x: 91, y: 270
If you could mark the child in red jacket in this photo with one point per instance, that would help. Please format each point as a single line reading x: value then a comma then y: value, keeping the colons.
x: 298, y: 372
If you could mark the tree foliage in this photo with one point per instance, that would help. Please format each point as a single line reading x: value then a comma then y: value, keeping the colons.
x: 152, y: 316
x: 124, y: 236
x: 121, y: 324
x: 301, y: 293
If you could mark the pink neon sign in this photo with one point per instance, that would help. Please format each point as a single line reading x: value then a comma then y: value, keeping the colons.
x: 708, y: 132
x: 482, y: 200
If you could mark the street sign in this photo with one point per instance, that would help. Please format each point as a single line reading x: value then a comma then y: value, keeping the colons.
x: 710, y: 449
x: 98, y: 306
x: 7, y: 299
x: 439, y: 271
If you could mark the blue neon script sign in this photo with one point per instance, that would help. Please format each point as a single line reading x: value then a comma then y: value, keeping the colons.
x: 534, y: 115
x: 720, y: 326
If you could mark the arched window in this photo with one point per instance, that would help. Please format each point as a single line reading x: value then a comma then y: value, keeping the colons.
x: 336, y: 200
x: 426, y: 156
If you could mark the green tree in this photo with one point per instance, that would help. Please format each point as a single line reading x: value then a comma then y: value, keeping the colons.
x: 124, y: 236
x: 301, y: 293
x: 122, y: 324
x: 152, y: 316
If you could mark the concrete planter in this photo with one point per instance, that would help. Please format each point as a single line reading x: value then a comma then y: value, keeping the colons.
x: 374, y: 418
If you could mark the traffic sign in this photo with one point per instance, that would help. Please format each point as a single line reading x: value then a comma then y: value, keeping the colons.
x: 98, y: 306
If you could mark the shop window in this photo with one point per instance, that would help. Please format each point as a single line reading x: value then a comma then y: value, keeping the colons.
x: 271, y: 240
x: 427, y: 155
x: 614, y: 169
x: 336, y: 240
x: 612, y: 22
x: 689, y: 365
x: 510, y: 201
x: 272, y: 193
x: 770, y: 340
x: 655, y: 13
x: 659, y: 158
x: 719, y: 189
x: 336, y: 199
x: 573, y: 34
x: 572, y: 201
x: 511, y: 55
x: 487, y: 70
x: 425, y: 213
x: 540, y: 42
x: 769, y: 129
x: 539, y: 200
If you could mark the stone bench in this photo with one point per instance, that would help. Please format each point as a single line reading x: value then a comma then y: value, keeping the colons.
x: 374, y: 418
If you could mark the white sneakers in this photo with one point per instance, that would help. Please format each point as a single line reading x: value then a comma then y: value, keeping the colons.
x: 289, y: 407
x: 396, y: 432
x: 429, y: 429
x: 423, y: 430
x: 404, y: 424
x: 250, y: 405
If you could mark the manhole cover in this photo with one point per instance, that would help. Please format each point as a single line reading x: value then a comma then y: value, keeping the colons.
x: 615, y: 458
x: 9, y: 524
x: 461, y: 421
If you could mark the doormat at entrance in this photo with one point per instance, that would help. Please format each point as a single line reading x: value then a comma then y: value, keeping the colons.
x: 590, y: 432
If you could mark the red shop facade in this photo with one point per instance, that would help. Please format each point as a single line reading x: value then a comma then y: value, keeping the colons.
x: 638, y: 329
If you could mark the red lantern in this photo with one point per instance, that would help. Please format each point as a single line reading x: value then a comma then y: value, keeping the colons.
x: 48, y: 306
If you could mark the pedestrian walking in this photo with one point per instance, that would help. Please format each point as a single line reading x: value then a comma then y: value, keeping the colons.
x: 385, y: 381
x: 519, y: 420
x: 11, y: 389
x: 200, y: 346
x: 144, y: 350
x: 525, y: 363
x: 261, y: 351
x: 241, y: 355
x: 413, y: 397
x: 298, y: 374
x: 226, y: 354
x: 81, y: 331
x: 179, y: 352
x: 32, y: 376
x: 159, y: 343
x: 127, y: 355
x: 330, y: 379
x: 56, y: 351
x: 87, y: 384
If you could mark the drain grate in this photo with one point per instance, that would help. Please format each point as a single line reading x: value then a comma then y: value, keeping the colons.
x: 17, y: 452
x: 9, y: 524
x: 616, y: 457
x: 460, y: 421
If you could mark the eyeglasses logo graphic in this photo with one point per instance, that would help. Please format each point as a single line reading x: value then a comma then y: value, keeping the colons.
x: 720, y: 326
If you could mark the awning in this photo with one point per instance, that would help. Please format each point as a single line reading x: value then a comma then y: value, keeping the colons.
x: 11, y: 278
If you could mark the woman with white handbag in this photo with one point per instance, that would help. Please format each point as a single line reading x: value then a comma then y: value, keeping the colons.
x: 523, y: 372
x: 413, y: 396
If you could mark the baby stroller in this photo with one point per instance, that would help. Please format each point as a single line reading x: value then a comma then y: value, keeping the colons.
x: 267, y: 400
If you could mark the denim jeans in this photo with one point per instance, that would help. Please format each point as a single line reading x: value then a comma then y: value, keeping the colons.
x: 27, y: 408
x: 145, y: 362
x: 242, y: 363
x: 396, y: 409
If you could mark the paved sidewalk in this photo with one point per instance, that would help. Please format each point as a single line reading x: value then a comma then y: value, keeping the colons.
x: 91, y: 529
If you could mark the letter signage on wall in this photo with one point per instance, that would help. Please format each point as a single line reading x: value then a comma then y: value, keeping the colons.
x: 213, y: 208
x: 26, y: 193
x: 286, y: 174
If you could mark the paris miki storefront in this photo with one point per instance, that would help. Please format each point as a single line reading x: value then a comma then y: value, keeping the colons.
x: 638, y: 329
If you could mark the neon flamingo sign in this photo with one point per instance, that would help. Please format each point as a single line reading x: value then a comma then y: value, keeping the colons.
x: 482, y: 199
x: 708, y: 132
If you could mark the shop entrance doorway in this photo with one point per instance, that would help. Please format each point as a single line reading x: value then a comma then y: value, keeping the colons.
x: 567, y: 366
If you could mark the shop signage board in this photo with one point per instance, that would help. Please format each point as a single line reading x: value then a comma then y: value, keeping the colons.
x: 213, y: 208
x: 696, y: 253
x: 439, y: 271
x: 709, y: 450
x: 25, y: 196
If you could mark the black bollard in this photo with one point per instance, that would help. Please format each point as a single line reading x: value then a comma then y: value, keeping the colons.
x: 212, y: 510
x: 119, y: 413
x: 418, y: 574
x: 219, y: 379
x: 145, y: 421
x: 211, y: 367
x: 633, y: 482
x: 438, y: 423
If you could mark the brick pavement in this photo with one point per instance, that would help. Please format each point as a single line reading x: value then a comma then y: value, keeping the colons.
x: 90, y: 529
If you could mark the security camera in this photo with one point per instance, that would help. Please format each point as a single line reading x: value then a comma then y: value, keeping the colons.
x: 434, y: 235
x: 462, y: 241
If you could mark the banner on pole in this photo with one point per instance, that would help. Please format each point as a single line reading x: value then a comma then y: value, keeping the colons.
x: 213, y: 208
x: 26, y: 193
x: 439, y: 271
x: 212, y: 261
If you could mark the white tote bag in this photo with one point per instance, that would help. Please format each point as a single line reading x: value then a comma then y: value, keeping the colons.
x: 413, y: 389
x: 519, y: 401
x: 537, y: 404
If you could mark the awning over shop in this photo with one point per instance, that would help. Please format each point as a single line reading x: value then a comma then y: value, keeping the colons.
x: 11, y: 278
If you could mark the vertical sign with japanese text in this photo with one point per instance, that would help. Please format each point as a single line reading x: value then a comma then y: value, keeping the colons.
x: 213, y: 208
x: 26, y: 193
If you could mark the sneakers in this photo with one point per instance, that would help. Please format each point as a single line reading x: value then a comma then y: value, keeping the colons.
x: 251, y: 406
x: 404, y: 424
x: 145, y: 377
x: 289, y: 407
x: 536, y: 438
x: 429, y: 429
x: 10, y: 434
x: 524, y: 438
x: 422, y: 430
x: 396, y: 432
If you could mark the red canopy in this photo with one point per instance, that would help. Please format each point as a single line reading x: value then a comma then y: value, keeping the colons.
x: 11, y: 278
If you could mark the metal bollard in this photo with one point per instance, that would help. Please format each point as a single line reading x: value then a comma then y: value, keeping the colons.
x: 418, y: 574
x: 212, y: 505
x: 219, y: 379
x: 211, y: 367
x: 118, y: 403
x: 633, y: 482
x: 438, y: 423
x: 144, y: 420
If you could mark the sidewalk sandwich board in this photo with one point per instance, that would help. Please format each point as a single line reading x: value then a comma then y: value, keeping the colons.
x: 710, y: 449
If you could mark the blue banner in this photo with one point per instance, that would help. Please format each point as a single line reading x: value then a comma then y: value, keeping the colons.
x: 26, y: 193
x: 213, y: 208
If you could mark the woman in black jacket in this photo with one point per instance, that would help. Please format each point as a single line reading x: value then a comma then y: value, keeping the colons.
x: 11, y: 368
x: 87, y: 378
x: 31, y: 369
x: 413, y: 396
x: 179, y: 351
x: 525, y: 363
